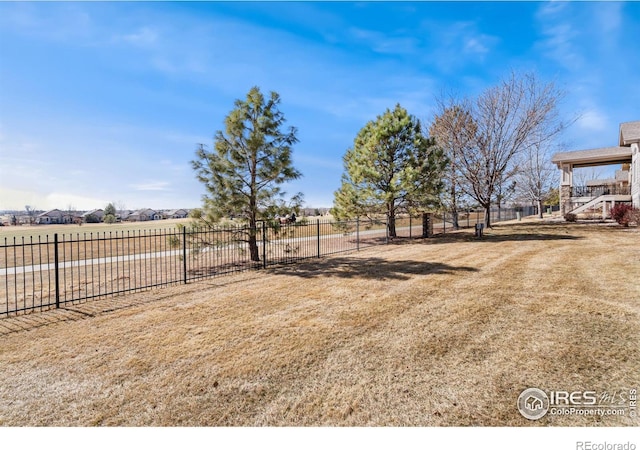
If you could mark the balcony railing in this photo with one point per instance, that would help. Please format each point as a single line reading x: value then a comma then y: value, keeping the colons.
x: 597, y: 191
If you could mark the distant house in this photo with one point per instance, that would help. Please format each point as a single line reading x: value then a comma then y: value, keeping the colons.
x: 55, y: 216
x: 93, y: 216
x: 143, y: 215
x: 48, y: 217
x: 123, y: 215
x: 176, y: 214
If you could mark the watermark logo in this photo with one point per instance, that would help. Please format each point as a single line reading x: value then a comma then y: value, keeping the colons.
x: 533, y: 403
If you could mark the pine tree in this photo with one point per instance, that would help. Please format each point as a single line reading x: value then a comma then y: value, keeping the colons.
x: 251, y: 159
x: 109, y: 214
x: 391, y: 167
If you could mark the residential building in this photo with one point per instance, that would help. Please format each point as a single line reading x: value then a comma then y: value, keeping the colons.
x: 602, y: 194
x: 144, y: 214
x: 55, y: 216
x: 176, y: 214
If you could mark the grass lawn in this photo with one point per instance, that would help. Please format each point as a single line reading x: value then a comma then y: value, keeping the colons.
x: 28, y: 232
x: 441, y: 332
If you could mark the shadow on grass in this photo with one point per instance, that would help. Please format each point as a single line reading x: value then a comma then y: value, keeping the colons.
x: 508, y: 234
x: 372, y: 268
x: 89, y: 308
x: 489, y: 237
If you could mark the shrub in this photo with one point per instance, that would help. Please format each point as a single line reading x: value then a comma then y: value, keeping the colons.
x: 633, y: 216
x: 92, y: 218
x: 570, y: 217
x: 619, y: 213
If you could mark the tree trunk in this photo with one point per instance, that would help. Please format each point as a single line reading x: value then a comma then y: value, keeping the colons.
x: 391, y: 222
x: 391, y: 226
x: 454, y: 219
x: 487, y: 216
x: 454, y: 208
x: 426, y: 226
x: 253, y: 241
x: 540, y: 209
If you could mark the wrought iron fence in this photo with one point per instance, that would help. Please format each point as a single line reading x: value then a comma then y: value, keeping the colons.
x: 43, y: 272
x: 597, y: 191
x: 468, y: 218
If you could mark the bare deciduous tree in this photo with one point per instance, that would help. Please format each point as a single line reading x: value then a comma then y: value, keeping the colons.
x: 509, y: 118
x: 453, y: 129
x: 582, y: 175
x: 536, y: 175
x: 120, y: 207
x: 31, y: 213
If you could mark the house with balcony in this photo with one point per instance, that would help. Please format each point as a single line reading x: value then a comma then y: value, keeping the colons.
x: 602, y: 195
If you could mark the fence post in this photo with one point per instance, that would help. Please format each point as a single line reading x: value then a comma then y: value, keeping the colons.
x: 318, y: 232
x: 264, y: 244
x: 444, y: 223
x: 410, y: 226
x: 56, y: 266
x: 358, y: 233
x: 184, y: 254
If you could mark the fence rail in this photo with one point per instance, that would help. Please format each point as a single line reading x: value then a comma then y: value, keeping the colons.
x: 43, y: 272
x: 597, y: 191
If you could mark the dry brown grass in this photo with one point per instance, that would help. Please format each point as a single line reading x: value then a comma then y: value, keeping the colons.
x: 446, y: 331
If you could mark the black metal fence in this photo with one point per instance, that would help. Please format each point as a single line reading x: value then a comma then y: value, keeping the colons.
x: 597, y: 191
x: 42, y: 272
x: 444, y: 223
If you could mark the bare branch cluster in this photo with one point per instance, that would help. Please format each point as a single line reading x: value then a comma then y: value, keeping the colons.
x: 488, y: 136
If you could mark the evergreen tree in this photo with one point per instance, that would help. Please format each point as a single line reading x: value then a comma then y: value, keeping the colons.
x: 109, y: 214
x: 251, y: 159
x: 392, y: 166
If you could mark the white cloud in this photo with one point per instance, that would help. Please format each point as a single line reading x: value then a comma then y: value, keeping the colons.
x: 79, y: 202
x: 383, y: 43
x: 56, y: 21
x: 559, y: 45
x: 143, y: 37
x: 576, y: 34
x: 475, y: 45
x: 608, y: 17
x: 456, y: 44
x: 551, y: 9
x: 151, y: 186
x: 595, y: 121
x: 16, y: 199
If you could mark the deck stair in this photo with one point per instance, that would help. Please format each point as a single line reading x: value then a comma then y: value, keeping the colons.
x: 598, y: 201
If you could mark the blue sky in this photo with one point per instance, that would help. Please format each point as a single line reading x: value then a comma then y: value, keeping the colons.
x: 107, y: 101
